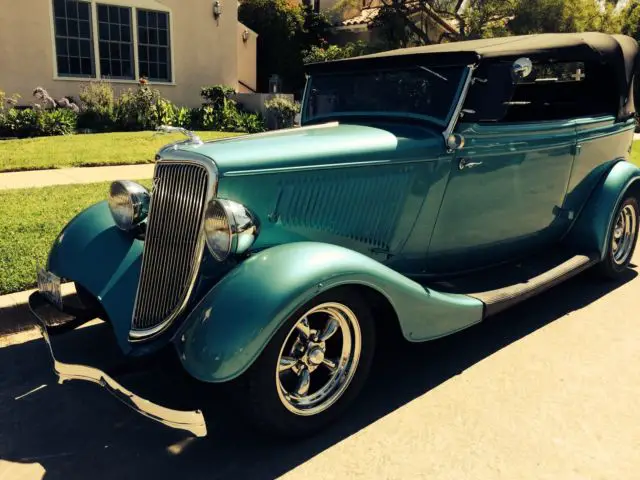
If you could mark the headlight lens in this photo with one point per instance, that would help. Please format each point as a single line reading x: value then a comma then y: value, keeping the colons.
x: 129, y: 203
x: 230, y: 228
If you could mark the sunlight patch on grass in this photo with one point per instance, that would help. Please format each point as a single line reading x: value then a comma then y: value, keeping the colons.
x: 100, y: 149
x: 32, y: 219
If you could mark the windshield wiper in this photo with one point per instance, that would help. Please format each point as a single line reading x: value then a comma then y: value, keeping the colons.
x: 435, y: 74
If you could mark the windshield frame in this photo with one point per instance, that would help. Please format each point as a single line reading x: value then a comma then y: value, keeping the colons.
x: 441, y: 123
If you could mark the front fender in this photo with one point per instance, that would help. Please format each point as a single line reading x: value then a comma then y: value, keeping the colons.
x: 92, y: 251
x: 232, y: 324
x: 592, y: 228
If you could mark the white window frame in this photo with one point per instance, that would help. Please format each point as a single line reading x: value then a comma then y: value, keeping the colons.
x: 134, y: 5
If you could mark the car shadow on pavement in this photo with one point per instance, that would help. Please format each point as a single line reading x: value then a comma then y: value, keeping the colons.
x: 77, y: 430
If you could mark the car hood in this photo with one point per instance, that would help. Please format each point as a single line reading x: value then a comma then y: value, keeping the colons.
x: 324, y: 145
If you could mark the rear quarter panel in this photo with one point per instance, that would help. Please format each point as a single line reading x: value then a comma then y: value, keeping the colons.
x: 601, y: 142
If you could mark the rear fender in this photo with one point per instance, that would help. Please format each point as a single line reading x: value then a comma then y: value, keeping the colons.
x: 592, y: 229
x: 232, y: 324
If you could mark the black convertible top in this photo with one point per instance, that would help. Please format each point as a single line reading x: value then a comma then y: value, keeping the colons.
x: 618, y: 52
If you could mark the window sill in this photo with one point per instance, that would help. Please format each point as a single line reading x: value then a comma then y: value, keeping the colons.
x: 111, y: 80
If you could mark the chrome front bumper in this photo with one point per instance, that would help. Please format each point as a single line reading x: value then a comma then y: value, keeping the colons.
x: 49, y: 317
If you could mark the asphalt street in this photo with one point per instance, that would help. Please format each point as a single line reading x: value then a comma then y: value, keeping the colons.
x: 547, y: 390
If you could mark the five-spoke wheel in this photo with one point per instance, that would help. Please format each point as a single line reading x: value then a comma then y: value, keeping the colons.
x: 318, y: 358
x: 623, y: 238
x: 314, y: 366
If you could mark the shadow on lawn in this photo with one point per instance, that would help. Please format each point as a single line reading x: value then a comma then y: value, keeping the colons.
x: 79, y: 431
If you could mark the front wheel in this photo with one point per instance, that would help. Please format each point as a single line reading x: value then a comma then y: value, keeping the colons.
x: 623, y: 237
x: 314, y: 366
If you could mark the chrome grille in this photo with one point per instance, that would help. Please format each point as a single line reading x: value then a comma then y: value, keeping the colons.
x: 173, y: 246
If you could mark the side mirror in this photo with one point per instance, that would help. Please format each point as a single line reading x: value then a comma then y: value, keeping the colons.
x: 521, y: 68
x: 455, y: 141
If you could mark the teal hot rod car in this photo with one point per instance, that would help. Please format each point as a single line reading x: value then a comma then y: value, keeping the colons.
x: 429, y: 188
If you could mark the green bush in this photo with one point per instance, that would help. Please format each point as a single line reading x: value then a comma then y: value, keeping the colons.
x: 61, y: 121
x: 143, y: 109
x: 98, y: 101
x: 220, y: 112
x: 36, y: 122
x: 216, y: 95
x: 21, y: 123
x: 224, y: 120
x: 182, y: 117
x: 252, y: 122
x: 283, y: 111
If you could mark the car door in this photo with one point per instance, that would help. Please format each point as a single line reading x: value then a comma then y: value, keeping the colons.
x: 505, y: 194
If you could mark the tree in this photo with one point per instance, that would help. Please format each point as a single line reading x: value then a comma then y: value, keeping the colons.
x: 631, y: 21
x: 407, y: 22
x: 540, y: 16
x: 285, y: 29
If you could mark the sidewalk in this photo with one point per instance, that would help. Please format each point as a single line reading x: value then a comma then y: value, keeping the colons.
x: 15, y: 316
x: 67, y: 176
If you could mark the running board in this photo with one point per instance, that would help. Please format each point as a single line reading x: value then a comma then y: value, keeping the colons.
x: 504, y: 286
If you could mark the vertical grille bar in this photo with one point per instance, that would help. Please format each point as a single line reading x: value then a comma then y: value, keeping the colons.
x: 173, y: 245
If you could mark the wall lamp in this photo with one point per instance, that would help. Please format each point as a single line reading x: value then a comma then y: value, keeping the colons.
x: 217, y: 9
x: 245, y: 35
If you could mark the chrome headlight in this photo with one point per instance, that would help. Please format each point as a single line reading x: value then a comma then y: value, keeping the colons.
x: 230, y: 228
x: 129, y: 203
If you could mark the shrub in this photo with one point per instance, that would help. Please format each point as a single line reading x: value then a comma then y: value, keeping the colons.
x: 252, y: 122
x: 217, y: 95
x: 61, y: 121
x: 143, y: 109
x: 36, y: 122
x: 283, y: 111
x: 21, y: 123
x: 182, y: 117
x: 220, y: 112
x: 3, y: 99
x: 98, y: 101
x: 221, y: 119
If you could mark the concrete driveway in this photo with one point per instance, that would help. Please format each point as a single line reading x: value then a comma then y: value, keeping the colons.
x: 548, y: 390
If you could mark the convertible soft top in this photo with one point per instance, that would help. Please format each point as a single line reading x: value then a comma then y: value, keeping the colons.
x: 619, y: 52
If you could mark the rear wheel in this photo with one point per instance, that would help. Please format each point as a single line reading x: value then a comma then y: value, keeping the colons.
x: 314, y: 366
x: 623, y: 237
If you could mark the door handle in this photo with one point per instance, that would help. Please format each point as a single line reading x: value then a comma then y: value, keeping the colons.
x: 467, y: 163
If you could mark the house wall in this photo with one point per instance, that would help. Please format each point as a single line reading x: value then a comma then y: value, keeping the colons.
x: 247, y: 56
x: 203, y: 49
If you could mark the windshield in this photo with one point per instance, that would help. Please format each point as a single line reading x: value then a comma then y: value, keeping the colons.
x: 421, y: 92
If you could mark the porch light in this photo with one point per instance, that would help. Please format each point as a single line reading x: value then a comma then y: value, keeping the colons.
x: 217, y: 8
x: 245, y: 35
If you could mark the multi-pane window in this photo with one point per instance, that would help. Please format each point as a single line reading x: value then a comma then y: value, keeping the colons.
x: 116, y: 45
x: 74, y: 48
x: 116, y: 42
x: 153, y: 45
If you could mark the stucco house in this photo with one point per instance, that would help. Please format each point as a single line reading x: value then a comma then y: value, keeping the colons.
x: 178, y: 45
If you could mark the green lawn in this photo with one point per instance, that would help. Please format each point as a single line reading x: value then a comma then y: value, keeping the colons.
x: 121, y: 148
x: 32, y: 218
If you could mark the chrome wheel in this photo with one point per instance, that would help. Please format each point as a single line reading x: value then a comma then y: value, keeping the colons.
x: 624, y: 234
x: 318, y: 359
